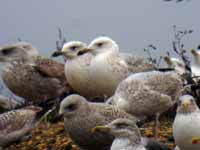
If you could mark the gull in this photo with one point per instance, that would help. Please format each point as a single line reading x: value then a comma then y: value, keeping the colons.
x: 9, y: 103
x: 177, y: 64
x: 80, y: 116
x: 31, y: 76
x: 128, y: 137
x: 16, y: 124
x: 77, y: 68
x: 196, y: 66
x: 187, y: 123
x: 148, y: 93
x: 109, y: 66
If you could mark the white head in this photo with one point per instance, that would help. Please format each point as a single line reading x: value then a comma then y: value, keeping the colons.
x: 103, y: 44
x: 187, y: 104
x: 72, y: 49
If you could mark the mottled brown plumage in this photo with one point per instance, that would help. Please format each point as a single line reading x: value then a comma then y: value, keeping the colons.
x: 31, y: 76
x: 80, y: 116
x: 16, y: 124
x: 148, y: 93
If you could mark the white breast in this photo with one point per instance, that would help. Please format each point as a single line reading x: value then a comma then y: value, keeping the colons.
x: 185, y: 127
x: 125, y: 144
x: 195, y: 70
x: 77, y: 72
x: 108, y: 70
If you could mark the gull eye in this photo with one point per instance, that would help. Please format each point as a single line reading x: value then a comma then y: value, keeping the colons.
x: 6, y: 51
x: 71, y: 107
x: 25, y: 46
x: 73, y: 48
x: 179, y: 103
x: 99, y: 44
x: 120, y: 125
x: 180, y: 65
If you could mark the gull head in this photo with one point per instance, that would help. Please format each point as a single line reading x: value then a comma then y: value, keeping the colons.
x: 187, y: 104
x: 73, y: 106
x: 72, y: 50
x: 103, y: 44
x: 120, y: 128
x: 175, y: 63
x: 196, y: 56
x: 4, y: 104
x: 17, y: 51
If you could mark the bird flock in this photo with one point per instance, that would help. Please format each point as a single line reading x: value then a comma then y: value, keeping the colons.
x: 103, y: 94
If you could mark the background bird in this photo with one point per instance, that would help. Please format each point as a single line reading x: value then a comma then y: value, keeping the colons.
x: 148, y: 93
x: 196, y: 65
x: 33, y: 77
x: 80, y: 116
x: 177, y: 64
x: 110, y: 67
x: 187, y: 123
x: 9, y: 103
x: 128, y: 137
x: 14, y: 125
x: 77, y: 68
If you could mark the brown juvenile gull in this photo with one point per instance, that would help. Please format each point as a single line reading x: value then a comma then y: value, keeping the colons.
x: 148, y: 93
x: 33, y: 77
x: 128, y: 137
x: 110, y: 67
x: 80, y: 116
x: 14, y: 125
x: 77, y: 67
x: 186, y: 125
x: 9, y: 103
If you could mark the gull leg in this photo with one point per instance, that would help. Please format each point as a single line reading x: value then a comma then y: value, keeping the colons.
x: 157, y: 125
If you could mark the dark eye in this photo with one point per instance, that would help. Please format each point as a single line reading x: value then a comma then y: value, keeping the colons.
x: 6, y: 51
x: 73, y: 48
x: 180, y: 65
x: 179, y: 103
x: 119, y: 125
x: 99, y: 44
x: 71, y: 107
x: 25, y: 46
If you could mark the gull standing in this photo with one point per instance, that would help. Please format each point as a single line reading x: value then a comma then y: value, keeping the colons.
x: 148, y: 93
x: 110, y: 67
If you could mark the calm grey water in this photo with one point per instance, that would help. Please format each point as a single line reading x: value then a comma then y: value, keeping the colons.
x: 134, y: 24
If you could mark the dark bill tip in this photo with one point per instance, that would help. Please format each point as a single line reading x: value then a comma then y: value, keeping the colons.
x: 56, y: 54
